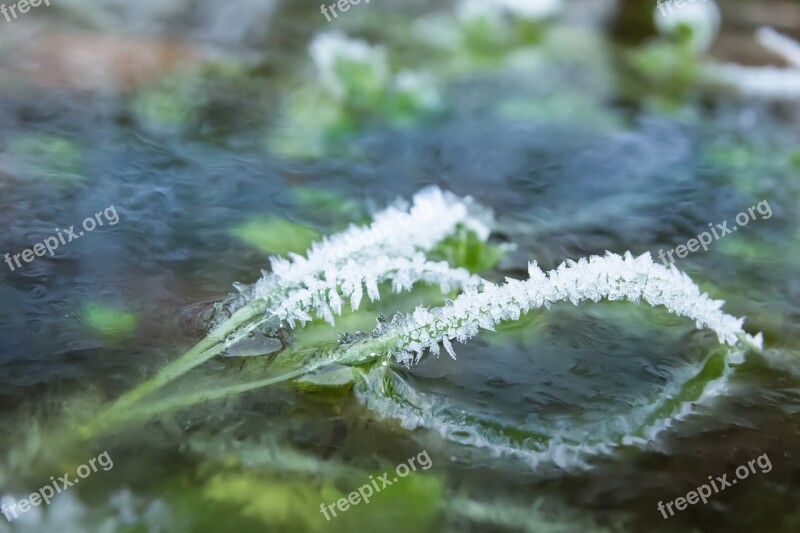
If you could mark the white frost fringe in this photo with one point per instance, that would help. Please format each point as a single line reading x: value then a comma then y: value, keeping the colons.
x: 612, y: 277
x: 390, y: 249
x: 396, y: 232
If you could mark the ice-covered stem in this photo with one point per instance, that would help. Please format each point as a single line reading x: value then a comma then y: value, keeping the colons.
x: 204, y: 350
x: 612, y: 277
x: 398, y: 231
x: 340, y: 266
x: 324, y: 297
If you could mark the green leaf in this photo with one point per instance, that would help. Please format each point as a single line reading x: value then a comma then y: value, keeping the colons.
x: 464, y: 249
x: 410, y: 504
x: 319, y: 204
x: 277, y: 504
x: 333, y: 377
x: 108, y: 322
x: 275, y: 235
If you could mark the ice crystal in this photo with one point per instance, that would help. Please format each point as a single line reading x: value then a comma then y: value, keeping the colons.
x: 612, y: 277
x: 395, y: 232
x: 325, y: 297
x: 339, y: 269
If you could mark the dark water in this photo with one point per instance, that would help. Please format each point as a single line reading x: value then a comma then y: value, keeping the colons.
x: 167, y: 113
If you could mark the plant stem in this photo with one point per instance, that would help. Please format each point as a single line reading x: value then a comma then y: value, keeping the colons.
x: 114, y: 418
x: 124, y: 412
x: 204, y: 350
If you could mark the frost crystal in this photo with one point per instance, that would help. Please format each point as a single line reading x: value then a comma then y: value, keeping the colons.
x: 612, y: 277
x: 395, y: 232
x: 341, y: 268
x: 324, y: 297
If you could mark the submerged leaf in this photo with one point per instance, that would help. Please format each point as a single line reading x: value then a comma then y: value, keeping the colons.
x: 333, y: 377
x: 107, y: 321
x: 256, y: 343
x: 275, y: 235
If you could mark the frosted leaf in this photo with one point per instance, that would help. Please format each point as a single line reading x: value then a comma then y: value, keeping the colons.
x: 391, y: 249
x: 398, y: 231
x: 635, y: 279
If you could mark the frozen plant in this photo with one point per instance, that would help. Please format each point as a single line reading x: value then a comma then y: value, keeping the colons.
x: 612, y: 277
x: 392, y: 249
x: 341, y: 266
x: 764, y: 82
x: 333, y: 53
x: 701, y: 19
x: 324, y: 297
x: 398, y: 231
x: 358, y: 74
